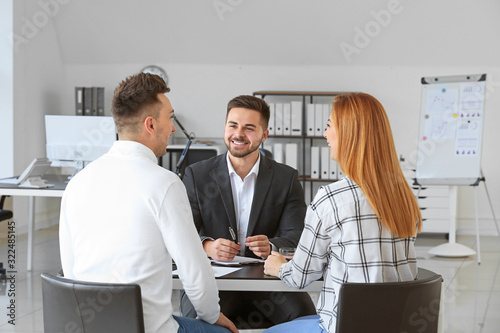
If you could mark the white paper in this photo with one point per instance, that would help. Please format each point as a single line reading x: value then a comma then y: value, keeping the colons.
x: 238, y: 260
x: 442, y: 101
x: 218, y: 271
x: 467, y: 144
x: 9, y: 181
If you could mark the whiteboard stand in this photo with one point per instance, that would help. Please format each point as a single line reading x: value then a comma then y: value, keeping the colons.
x: 450, y: 137
x: 477, y: 227
x: 452, y: 248
x: 477, y: 217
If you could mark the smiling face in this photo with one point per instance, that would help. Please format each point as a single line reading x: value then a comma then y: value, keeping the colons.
x: 244, y: 132
x: 331, y: 138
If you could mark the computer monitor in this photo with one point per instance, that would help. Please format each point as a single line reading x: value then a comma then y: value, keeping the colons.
x: 78, y: 138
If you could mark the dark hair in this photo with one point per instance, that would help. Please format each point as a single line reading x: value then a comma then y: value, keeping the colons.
x: 252, y: 103
x: 135, y: 96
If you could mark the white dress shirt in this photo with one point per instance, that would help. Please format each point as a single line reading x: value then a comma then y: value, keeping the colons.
x: 343, y: 241
x: 243, y: 191
x: 123, y: 219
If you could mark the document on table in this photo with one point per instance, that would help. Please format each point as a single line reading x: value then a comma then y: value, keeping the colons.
x: 218, y: 271
x: 12, y: 180
x: 238, y: 261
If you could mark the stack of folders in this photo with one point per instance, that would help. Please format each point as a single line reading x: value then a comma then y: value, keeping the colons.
x: 89, y: 101
x: 286, y: 153
x: 317, y: 118
x: 322, y: 166
x: 285, y: 119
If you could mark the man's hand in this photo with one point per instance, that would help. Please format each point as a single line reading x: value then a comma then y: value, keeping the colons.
x: 224, y: 322
x: 273, y: 264
x: 259, y: 245
x: 221, y: 249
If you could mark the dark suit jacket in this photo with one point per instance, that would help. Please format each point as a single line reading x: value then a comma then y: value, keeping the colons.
x: 278, y: 207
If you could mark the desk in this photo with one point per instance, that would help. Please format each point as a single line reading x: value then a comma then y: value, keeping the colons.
x: 252, y: 278
x: 59, y: 181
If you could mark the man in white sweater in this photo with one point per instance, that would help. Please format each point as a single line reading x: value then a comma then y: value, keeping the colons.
x: 124, y: 218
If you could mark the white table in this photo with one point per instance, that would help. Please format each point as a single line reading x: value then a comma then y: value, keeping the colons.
x: 57, y: 191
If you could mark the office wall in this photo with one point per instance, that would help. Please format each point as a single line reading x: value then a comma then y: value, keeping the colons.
x: 200, y: 94
x: 6, y: 91
x: 38, y: 81
x: 213, y: 52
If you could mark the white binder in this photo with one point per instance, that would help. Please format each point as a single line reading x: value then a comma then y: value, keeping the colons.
x: 287, y: 119
x: 278, y: 152
x: 278, y: 114
x: 325, y: 163
x: 270, y: 126
x: 291, y: 152
x: 297, y: 118
x: 326, y: 115
x: 310, y: 120
x: 314, y: 162
x: 318, y: 119
x: 333, y: 169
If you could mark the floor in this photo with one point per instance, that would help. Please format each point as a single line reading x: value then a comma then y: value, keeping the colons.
x: 471, y: 297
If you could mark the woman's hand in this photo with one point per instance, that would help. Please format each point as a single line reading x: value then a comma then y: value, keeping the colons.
x: 273, y: 264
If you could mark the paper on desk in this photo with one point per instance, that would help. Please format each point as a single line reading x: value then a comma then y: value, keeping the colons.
x: 238, y: 261
x: 221, y: 271
x: 9, y: 180
x: 218, y: 271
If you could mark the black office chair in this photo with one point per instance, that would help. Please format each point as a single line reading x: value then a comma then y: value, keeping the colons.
x: 66, y: 306
x: 4, y: 213
x: 411, y: 306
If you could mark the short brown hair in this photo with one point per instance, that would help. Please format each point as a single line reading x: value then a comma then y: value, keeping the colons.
x: 134, y: 96
x: 252, y: 103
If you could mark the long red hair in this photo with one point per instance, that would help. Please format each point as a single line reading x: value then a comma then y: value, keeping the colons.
x: 367, y: 155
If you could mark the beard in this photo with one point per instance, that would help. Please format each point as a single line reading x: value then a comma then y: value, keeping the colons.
x: 241, y: 152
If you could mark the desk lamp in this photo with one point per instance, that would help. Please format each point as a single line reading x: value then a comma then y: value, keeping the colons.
x: 190, y: 138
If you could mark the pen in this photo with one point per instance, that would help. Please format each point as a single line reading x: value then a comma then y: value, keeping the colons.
x: 233, y: 235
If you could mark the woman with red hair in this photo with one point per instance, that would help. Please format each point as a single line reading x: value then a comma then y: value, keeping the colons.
x: 361, y: 228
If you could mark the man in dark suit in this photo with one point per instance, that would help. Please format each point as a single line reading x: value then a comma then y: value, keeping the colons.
x: 259, y: 199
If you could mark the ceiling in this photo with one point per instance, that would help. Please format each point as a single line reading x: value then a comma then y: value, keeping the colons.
x: 288, y: 32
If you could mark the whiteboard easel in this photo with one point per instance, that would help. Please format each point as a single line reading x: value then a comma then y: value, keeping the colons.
x: 450, y: 138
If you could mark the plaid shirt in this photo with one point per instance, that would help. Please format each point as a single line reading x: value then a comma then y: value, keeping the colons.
x: 343, y: 241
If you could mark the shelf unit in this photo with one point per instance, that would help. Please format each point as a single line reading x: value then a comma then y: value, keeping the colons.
x: 306, y: 140
x: 437, y: 204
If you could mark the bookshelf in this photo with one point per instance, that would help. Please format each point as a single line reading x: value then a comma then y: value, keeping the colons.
x: 305, y: 140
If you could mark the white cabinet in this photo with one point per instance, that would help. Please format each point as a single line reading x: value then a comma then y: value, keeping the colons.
x: 434, y: 203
